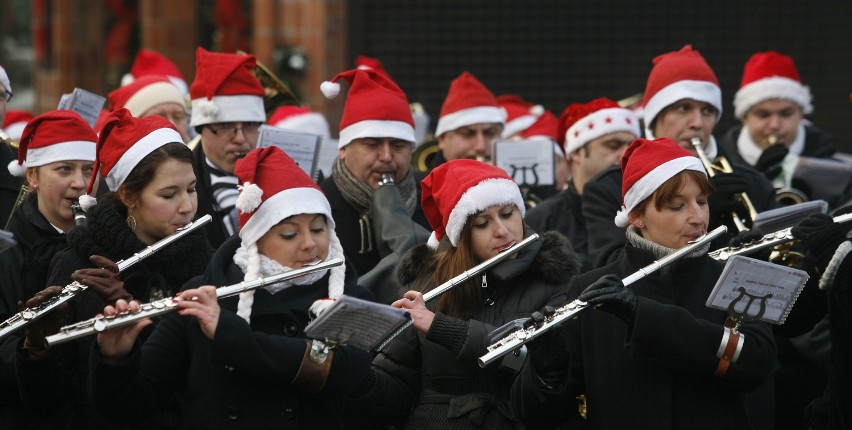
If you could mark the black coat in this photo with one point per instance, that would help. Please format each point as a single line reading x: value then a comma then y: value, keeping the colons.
x: 347, y: 226
x: 563, y: 213
x: 215, y: 229
x: 10, y: 185
x: 59, y: 380
x: 602, y: 200
x: 436, y: 377
x: 659, y: 375
x: 240, y: 379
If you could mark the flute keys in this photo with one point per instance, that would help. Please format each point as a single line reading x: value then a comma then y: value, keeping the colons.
x: 100, y: 325
x: 28, y: 314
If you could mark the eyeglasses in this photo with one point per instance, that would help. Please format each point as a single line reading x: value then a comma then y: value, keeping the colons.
x: 229, y: 129
x: 6, y: 96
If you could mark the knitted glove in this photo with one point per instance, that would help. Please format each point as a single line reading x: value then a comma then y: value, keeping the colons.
x: 104, y: 281
x: 726, y: 197
x: 548, y: 352
x: 610, y: 295
x: 821, y: 235
x: 770, y: 160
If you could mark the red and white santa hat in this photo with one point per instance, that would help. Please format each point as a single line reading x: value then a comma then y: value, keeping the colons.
x: 648, y: 164
x: 679, y: 75
x: 771, y: 75
x: 58, y: 135
x: 375, y: 107
x: 364, y: 62
x: 468, y: 102
x: 144, y: 93
x: 148, y: 62
x: 124, y: 141
x: 457, y: 189
x: 273, y: 188
x: 585, y: 122
x: 225, y: 89
x: 520, y: 114
x: 15, y: 122
x: 302, y: 119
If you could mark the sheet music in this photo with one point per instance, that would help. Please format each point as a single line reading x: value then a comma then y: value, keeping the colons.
x: 87, y: 104
x: 528, y: 162
x: 357, y: 322
x: 788, y: 216
x: 303, y: 148
x: 750, y: 283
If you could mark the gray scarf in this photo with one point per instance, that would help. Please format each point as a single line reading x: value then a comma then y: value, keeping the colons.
x: 634, y: 238
x: 360, y: 196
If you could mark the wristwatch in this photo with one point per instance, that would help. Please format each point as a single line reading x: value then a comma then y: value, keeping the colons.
x: 386, y: 179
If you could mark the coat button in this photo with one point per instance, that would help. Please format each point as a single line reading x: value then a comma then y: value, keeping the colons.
x: 290, y: 329
x: 233, y: 413
x: 289, y: 412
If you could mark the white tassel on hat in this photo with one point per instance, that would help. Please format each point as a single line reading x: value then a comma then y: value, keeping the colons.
x: 17, y: 169
x: 330, y: 89
x: 250, y: 197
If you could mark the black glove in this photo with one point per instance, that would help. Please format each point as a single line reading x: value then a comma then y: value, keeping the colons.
x: 725, y: 199
x: 548, y: 352
x: 35, y: 343
x: 610, y: 295
x: 746, y: 237
x: 821, y: 235
x: 104, y: 281
x: 770, y: 160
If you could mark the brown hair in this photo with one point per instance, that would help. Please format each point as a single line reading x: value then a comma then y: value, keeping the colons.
x: 666, y: 192
x: 146, y: 170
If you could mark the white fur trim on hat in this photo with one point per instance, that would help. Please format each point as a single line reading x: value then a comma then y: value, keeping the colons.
x: 648, y: 184
x: 137, y: 152
x: 152, y: 95
x: 474, y: 115
x: 292, y: 201
x: 376, y: 129
x: 311, y: 122
x: 702, y: 91
x: 518, y: 125
x: 488, y: 193
x: 776, y: 87
x: 238, y: 108
x: 620, y: 119
x: 72, y: 150
x: 432, y: 242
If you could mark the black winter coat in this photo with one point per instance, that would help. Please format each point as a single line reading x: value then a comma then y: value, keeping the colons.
x: 433, y: 381
x: 215, y: 230
x: 563, y: 213
x: 659, y: 375
x: 241, y: 378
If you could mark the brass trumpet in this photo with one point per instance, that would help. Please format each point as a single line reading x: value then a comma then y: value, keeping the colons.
x: 725, y: 167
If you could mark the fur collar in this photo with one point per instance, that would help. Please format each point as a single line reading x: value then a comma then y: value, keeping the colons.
x: 552, y: 260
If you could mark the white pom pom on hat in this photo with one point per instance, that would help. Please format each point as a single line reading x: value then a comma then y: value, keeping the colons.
x: 330, y: 89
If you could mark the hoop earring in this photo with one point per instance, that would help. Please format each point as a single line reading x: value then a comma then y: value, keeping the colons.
x: 131, y: 222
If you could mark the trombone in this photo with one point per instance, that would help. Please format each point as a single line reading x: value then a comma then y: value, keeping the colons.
x: 725, y: 167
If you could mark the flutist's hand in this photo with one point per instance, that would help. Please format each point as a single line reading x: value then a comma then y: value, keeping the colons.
x: 725, y: 199
x: 413, y: 303
x: 35, y: 344
x: 770, y: 160
x: 549, y: 354
x: 105, y: 281
x: 610, y: 295
x: 116, y: 343
x: 202, y: 304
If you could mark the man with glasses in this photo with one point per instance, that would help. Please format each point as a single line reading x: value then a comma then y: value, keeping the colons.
x: 227, y: 111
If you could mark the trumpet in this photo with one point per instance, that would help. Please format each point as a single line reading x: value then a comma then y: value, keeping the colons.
x: 725, y: 167
x: 163, y: 306
x: 514, y: 341
x: 28, y: 315
x: 767, y: 241
x: 8, y: 140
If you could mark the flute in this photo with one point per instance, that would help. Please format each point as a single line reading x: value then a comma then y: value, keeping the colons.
x: 28, y: 315
x: 768, y: 240
x: 163, y: 306
x: 464, y: 276
x: 517, y: 339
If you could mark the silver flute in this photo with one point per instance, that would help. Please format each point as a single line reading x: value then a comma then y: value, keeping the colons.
x: 163, y: 306
x: 28, y: 315
x: 767, y: 241
x: 515, y: 340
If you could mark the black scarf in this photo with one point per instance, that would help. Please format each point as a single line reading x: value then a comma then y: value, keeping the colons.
x: 160, y: 274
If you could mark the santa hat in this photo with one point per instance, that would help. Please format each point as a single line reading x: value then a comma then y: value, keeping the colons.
x: 545, y: 128
x: 468, y: 102
x: 148, y: 62
x: 225, y: 89
x: 15, y: 122
x: 57, y: 135
x: 457, y: 189
x: 4, y: 81
x: 648, y: 164
x: 770, y: 75
x: 364, y: 62
x: 144, y: 93
x: 298, y: 118
x: 375, y: 107
x: 273, y: 188
x: 679, y: 75
x: 585, y: 122
x: 520, y: 114
x: 123, y: 143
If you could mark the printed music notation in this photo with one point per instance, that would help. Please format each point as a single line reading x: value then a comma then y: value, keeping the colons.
x: 757, y: 287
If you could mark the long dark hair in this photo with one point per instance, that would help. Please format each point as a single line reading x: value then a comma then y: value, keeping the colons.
x: 146, y: 170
